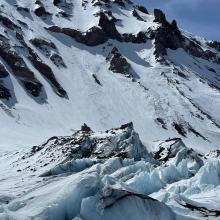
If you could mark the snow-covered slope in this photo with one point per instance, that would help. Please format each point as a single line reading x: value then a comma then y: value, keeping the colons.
x: 64, y: 63
x: 104, y: 63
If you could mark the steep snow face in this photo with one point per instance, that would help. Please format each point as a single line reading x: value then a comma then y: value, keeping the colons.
x: 65, y: 63
x: 97, y: 175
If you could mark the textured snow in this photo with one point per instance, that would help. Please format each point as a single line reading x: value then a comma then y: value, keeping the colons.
x: 26, y: 122
x: 160, y: 177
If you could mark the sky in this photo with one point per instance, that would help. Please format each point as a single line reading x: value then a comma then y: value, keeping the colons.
x: 201, y: 17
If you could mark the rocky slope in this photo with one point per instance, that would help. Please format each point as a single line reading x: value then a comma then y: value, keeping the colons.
x: 63, y: 63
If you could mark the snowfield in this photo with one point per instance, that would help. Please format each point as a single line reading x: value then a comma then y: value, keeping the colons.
x: 158, y: 98
x: 99, y: 64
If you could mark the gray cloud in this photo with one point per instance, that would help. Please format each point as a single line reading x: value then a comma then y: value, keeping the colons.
x: 197, y: 16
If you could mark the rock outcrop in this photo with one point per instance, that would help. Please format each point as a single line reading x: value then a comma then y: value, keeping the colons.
x: 92, y: 37
x: 194, y: 49
x: 122, y: 142
x: 19, y: 67
x: 4, y: 92
x: 49, y: 49
x: 136, y: 15
x: 140, y: 38
x: 43, y: 68
x: 119, y: 64
x: 167, y: 35
x: 40, y: 10
x: 142, y: 9
x: 8, y: 23
x: 214, y: 44
x: 108, y: 26
x: 160, y: 17
x: 3, y: 72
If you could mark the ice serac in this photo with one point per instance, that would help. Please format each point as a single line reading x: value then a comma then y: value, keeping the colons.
x: 115, y: 202
x: 98, y: 170
x: 107, y: 174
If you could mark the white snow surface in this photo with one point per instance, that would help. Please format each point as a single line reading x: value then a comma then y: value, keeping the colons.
x: 155, y: 94
x: 120, y: 175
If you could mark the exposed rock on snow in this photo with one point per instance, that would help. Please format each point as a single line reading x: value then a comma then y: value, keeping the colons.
x: 4, y: 93
x: 214, y: 44
x: 142, y: 9
x: 43, y: 68
x: 160, y: 17
x: 3, y: 72
x: 43, y: 44
x: 108, y: 26
x: 8, y: 23
x: 166, y: 36
x: 22, y: 9
x: 194, y: 49
x: 213, y: 154
x: 92, y: 37
x: 119, y: 2
x: 137, y: 39
x: 19, y: 67
x: 40, y: 10
x: 49, y: 49
x: 135, y: 14
x: 118, y: 64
